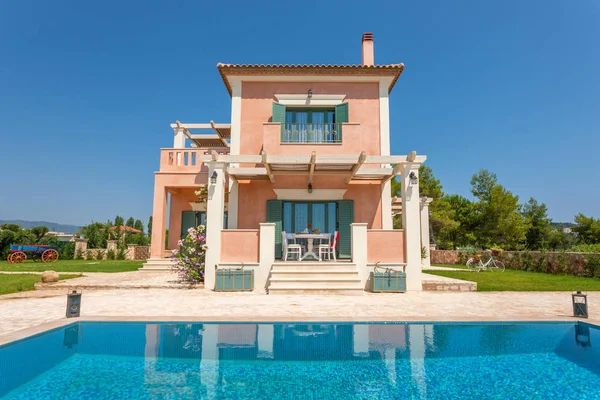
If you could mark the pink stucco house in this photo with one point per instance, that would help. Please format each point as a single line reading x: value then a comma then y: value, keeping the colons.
x: 306, y: 145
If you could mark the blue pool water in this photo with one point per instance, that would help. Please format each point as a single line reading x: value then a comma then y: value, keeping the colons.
x: 94, y: 360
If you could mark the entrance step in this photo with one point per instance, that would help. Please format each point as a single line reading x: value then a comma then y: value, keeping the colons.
x: 157, y: 264
x: 293, y: 277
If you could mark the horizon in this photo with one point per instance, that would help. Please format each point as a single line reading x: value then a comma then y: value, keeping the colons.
x: 89, y: 91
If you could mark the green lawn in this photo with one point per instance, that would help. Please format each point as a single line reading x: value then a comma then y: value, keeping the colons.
x: 73, y: 266
x: 12, y: 283
x: 459, y: 266
x: 521, y: 281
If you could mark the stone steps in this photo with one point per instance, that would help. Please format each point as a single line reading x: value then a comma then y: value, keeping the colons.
x: 157, y: 264
x: 314, y: 278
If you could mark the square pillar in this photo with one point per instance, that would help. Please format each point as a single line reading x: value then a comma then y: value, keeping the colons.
x: 266, y: 256
x: 425, y: 202
x: 411, y: 223
x: 159, y: 222
x: 178, y: 138
x: 80, y: 247
x: 215, y: 207
x: 232, y: 205
x: 387, y: 220
x: 359, y: 250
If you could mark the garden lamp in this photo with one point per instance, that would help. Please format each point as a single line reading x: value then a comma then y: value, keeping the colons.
x: 413, y: 178
x: 580, y: 305
x: 213, y: 177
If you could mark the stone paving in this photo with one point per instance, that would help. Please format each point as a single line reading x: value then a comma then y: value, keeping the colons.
x: 119, y: 280
x: 29, y: 309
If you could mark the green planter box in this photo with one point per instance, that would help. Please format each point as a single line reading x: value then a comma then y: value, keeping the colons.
x: 234, y: 280
x: 390, y: 282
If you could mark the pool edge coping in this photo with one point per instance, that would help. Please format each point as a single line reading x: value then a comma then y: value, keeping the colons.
x: 39, y: 329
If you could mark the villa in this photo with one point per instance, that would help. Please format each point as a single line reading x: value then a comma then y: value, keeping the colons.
x: 306, y: 155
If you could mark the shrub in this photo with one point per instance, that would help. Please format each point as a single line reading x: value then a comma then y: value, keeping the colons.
x: 190, y: 259
x: 66, y: 250
x: 79, y: 255
x: 591, y: 266
x: 100, y: 254
x: 89, y: 255
x: 110, y: 254
x: 586, y: 248
x: 121, y: 253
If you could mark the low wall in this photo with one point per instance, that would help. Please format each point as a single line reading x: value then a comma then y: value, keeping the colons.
x: 239, y: 245
x: 577, y: 264
x: 386, y: 246
x: 133, y: 252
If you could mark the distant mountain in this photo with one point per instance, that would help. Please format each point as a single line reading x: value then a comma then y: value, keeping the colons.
x: 53, y: 226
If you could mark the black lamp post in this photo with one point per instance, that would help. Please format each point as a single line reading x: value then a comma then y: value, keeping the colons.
x: 580, y: 305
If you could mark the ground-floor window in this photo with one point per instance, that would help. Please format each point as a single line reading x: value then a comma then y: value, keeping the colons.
x: 320, y: 215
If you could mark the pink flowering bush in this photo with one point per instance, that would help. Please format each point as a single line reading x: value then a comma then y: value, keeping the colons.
x: 190, y: 259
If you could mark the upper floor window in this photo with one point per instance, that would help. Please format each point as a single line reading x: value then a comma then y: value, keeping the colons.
x: 310, y: 125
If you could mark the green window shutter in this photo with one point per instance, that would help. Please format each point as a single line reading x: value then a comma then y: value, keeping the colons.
x: 275, y: 215
x: 341, y: 113
x: 345, y: 218
x: 279, y: 116
x: 188, y: 220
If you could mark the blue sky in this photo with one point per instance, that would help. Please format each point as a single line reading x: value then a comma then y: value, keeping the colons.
x: 88, y: 90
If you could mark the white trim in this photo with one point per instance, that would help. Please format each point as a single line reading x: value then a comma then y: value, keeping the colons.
x: 317, y: 194
x: 236, y: 115
x: 314, y: 100
x: 384, y: 117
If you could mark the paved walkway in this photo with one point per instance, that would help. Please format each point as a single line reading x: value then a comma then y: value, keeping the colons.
x: 119, y: 280
x: 25, y: 310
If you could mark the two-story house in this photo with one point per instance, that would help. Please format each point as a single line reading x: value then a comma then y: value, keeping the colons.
x: 308, y: 146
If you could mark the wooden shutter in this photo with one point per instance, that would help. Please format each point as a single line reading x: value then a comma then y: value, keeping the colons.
x: 275, y: 215
x: 341, y: 113
x: 279, y: 116
x: 188, y: 220
x: 345, y: 218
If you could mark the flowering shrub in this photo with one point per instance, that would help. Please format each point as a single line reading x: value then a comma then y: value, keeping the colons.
x: 190, y: 259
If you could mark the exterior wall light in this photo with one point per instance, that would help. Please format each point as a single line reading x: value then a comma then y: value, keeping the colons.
x: 213, y: 177
x: 310, y: 188
x: 580, y: 308
x: 413, y: 178
x: 309, y: 93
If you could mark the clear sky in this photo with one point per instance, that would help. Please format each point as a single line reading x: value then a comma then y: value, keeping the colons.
x: 88, y: 90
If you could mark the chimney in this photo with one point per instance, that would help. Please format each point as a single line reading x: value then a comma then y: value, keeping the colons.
x: 368, y: 53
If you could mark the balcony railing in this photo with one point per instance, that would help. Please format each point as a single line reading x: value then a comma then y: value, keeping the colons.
x: 311, y: 133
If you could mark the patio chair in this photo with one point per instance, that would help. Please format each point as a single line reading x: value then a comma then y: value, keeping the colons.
x: 329, y: 248
x: 290, y: 248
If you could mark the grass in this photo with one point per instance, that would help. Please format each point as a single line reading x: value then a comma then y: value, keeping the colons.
x: 73, y: 266
x: 458, y: 266
x: 521, y: 281
x: 12, y: 283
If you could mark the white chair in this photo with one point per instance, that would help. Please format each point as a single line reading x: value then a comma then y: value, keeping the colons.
x: 329, y: 248
x: 290, y: 248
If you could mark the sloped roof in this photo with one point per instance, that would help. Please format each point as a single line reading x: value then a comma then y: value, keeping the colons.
x: 393, y: 70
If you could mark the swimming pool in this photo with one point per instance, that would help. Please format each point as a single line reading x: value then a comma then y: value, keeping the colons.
x: 108, y: 360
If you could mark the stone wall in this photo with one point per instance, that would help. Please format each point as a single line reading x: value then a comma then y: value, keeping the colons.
x: 133, y: 252
x: 578, y: 264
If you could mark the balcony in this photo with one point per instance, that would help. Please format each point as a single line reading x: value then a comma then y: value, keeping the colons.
x: 309, y: 133
x: 181, y: 160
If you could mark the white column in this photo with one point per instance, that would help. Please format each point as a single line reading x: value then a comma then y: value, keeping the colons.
x: 178, y: 138
x: 232, y: 205
x: 266, y: 255
x: 387, y: 221
x: 411, y: 223
x: 425, y: 202
x: 215, y: 206
x: 359, y: 251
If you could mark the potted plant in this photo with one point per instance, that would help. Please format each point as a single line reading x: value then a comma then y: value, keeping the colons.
x: 496, y: 251
x: 476, y: 257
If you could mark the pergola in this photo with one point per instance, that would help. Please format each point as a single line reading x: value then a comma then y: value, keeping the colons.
x: 218, y: 139
x: 352, y: 168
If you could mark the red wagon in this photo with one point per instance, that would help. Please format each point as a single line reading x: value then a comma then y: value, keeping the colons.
x: 20, y: 252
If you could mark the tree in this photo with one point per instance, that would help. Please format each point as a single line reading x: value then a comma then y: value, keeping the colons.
x: 538, y: 233
x: 499, y: 220
x: 96, y: 233
x: 150, y: 226
x: 39, y: 232
x: 587, y: 228
x: 119, y: 221
x: 130, y: 222
x: 139, y: 225
x: 10, y: 227
x: 462, y: 234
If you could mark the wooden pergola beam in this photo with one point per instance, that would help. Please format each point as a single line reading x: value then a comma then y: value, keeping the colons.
x: 395, y: 172
x: 218, y: 132
x: 356, y: 167
x: 267, y: 166
x: 311, y: 169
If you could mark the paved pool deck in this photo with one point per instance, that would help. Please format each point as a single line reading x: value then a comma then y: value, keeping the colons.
x: 27, y: 313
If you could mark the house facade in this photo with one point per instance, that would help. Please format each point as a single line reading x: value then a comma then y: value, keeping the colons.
x: 307, y: 146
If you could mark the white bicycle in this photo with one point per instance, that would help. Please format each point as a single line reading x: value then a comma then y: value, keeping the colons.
x: 491, y: 264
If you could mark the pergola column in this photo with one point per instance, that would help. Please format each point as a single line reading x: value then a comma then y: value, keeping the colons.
x: 411, y: 223
x: 232, y: 205
x: 425, y: 202
x: 178, y: 137
x: 215, y: 208
x: 159, y: 221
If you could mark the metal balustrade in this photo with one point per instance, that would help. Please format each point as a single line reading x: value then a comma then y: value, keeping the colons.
x: 311, y: 133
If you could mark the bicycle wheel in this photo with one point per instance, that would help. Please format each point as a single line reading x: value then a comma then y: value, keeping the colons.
x: 499, y: 265
x: 472, y: 265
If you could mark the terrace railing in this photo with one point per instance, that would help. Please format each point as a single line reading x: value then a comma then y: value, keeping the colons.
x: 311, y: 133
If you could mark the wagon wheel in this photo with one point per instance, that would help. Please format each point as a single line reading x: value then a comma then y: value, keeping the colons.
x: 18, y: 257
x: 9, y: 258
x: 50, y: 255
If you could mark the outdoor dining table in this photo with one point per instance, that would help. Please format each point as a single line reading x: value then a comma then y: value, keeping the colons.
x: 310, y: 237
